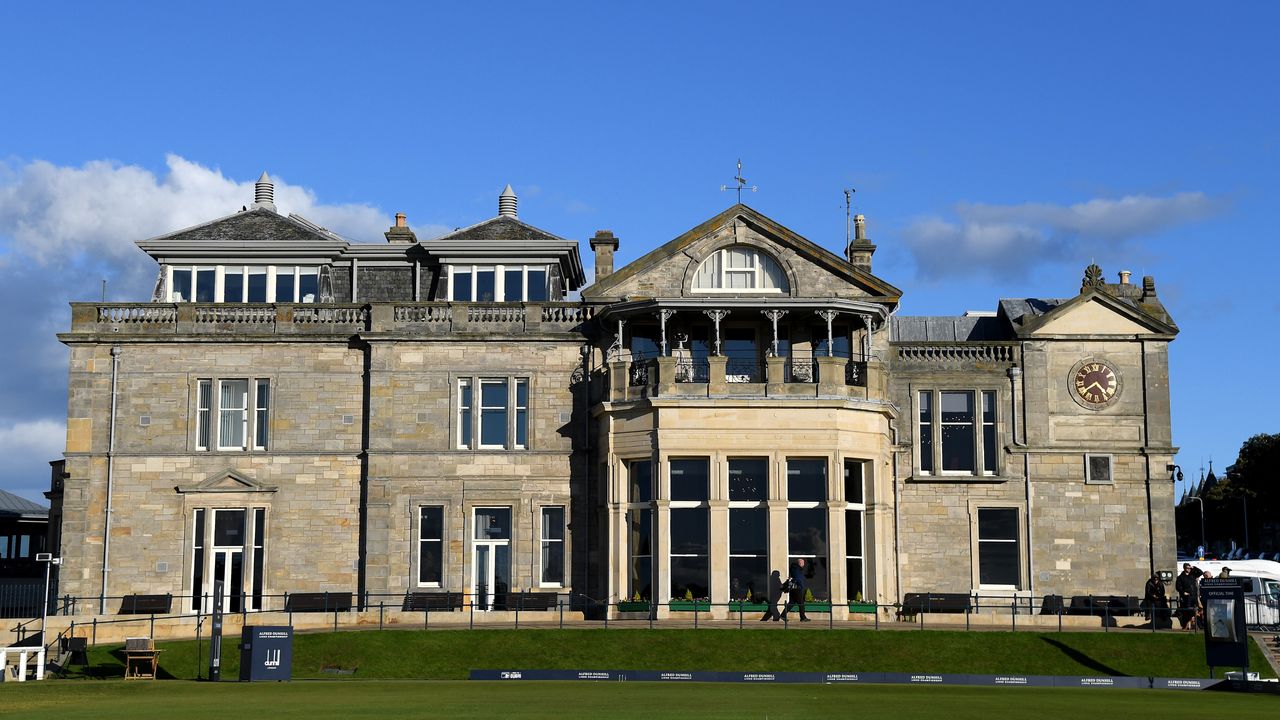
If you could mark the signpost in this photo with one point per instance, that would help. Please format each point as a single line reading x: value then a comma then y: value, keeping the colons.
x: 1226, y: 640
x: 215, y: 634
x: 266, y: 653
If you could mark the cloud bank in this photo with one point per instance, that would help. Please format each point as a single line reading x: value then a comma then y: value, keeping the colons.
x: 65, y: 229
x: 1010, y: 240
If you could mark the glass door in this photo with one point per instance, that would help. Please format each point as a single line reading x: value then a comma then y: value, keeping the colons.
x: 491, y: 558
x: 228, y: 558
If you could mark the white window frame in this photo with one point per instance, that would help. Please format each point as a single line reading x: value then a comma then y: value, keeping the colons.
x: 253, y: 418
x: 245, y: 272
x: 545, y: 542
x: 500, y: 280
x: 755, y: 272
x: 1088, y: 469
x: 421, y: 534
x: 977, y: 546
x: 518, y: 416
x: 762, y: 504
x: 861, y: 509
x: 935, y: 427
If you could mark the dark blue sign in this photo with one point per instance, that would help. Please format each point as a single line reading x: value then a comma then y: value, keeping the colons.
x: 849, y: 677
x: 1226, y: 640
x: 266, y: 653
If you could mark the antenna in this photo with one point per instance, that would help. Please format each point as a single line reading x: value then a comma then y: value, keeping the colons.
x: 848, y: 216
x: 104, y: 289
x: 741, y: 183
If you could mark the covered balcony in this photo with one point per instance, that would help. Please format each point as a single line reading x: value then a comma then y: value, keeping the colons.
x: 784, y: 347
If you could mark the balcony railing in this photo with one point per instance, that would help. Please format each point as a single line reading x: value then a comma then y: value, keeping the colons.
x: 328, y: 318
x: 692, y: 370
x: 743, y: 370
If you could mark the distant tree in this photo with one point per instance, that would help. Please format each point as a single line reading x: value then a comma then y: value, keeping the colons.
x: 1256, y: 475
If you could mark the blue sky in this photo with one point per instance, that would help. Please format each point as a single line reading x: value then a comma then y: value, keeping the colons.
x: 996, y: 149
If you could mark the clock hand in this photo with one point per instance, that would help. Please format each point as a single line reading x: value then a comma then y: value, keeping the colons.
x: 1095, y: 384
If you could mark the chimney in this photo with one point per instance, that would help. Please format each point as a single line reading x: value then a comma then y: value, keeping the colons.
x: 861, y: 249
x: 507, y: 203
x: 603, y: 245
x: 1124, y: 277
x: 400, y: 232
x: 264, y: 193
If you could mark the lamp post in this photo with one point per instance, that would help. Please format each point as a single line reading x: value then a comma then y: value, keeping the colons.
x: 1201, y: 518
x: 49, y: 561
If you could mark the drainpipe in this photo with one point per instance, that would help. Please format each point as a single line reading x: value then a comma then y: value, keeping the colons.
x: 897, y: 553
x: 111, y: 446
x: 1016, y: 379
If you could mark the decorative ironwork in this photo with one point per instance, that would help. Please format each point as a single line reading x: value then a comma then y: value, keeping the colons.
x: 800, y: 369
x: 1092, y: 279
x: 743, y: 370
x: 691, y: 370
x: 855, y: 373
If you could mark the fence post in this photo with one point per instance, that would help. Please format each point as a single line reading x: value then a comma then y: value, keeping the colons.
x: 876, y: 614
x: 95, y: 631
x: 695, y: 614
x: 560, y: 608
x: 471, y: 609
x: 1013, y: 616
x: 153, y: 625
x: 1059, y: 609
x: 519, y: 603
x: 1106, y: 618
x: 380, y: 606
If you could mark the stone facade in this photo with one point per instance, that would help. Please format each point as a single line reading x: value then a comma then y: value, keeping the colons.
x: 397, y: 441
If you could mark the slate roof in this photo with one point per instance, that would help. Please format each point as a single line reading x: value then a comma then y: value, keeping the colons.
x: 255, y: 230
x: 13, y: 506
x: 503, y: 229
x: 949, y: 329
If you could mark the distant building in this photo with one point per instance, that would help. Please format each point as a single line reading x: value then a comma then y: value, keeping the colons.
x: 24, y: 526
x: 296, y: 412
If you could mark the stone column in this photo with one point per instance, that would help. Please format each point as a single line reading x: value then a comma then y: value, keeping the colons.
x: 618, y: 380
x: 666, y: 376
x: 718, y: 547
x: 830, y: 375
x: 775, y: 375
x: 716, y: 384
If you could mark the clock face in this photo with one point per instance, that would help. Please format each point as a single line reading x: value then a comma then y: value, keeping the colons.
x: 1096, y: 383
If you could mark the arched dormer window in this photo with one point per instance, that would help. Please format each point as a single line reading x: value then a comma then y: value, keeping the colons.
x: 740, y: 269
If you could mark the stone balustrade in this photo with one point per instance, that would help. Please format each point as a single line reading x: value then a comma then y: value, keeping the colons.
x: 715, y: 376
x: 256, y: 319
x: 957, y: 353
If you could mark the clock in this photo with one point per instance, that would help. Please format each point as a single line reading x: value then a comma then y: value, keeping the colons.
x: 1095, y: 384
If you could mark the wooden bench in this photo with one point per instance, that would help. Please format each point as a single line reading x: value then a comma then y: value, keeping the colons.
x: 317, y: 602
x: 1104, y: 605
x: 432, y: 601
x: 533, y: 601
x: 915, y: 603
x: 146, y: 605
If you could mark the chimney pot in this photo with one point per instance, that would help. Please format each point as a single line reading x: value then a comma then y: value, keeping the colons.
x: 1124, y: 277
x: 264, y: 192
x: 400, y: 220
x: 507, y: 202
x: 603, y: 244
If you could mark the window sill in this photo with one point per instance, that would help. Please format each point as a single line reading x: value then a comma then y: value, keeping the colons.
x: 955, y: 479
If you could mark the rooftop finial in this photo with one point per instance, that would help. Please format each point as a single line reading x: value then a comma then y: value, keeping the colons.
x: 507, y: 202
x: 264, y: 192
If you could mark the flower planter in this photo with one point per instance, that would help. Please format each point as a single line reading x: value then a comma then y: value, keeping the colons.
x: 690, y: 605
x: 819, y: 606
x: 747, y: 606
x: 862, y: 607
x: 633, y: 606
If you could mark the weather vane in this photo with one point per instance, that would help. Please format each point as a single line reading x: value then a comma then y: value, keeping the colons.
x: 741, y: 181
x: 848, y: 214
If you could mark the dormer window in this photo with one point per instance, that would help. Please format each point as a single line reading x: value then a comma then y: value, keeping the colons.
x: 498, y: 283
x: 244, y: 284
x: 740, y: 269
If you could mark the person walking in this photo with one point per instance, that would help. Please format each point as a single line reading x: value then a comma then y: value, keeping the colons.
x: 1155, y: 600
x: 1185, y: 586
x: 775, y: 594
x: 797, y: 590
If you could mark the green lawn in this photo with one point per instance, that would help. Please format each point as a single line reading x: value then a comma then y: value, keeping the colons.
x: 613, y: 700
x: 450, y: 654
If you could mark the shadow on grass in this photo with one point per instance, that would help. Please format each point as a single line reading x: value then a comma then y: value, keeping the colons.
x: 1083, y: 659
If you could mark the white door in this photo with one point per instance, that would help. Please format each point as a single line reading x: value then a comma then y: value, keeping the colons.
x: 491, y: 558
x: 228, y: 557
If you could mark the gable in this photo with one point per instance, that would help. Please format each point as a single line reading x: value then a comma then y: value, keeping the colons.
x: 246, y: 235
x: 810, y: 270
x: 1091, y: 318
x: 227, y: 481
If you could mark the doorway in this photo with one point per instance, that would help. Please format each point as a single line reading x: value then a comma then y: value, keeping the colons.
x: 491, y: 558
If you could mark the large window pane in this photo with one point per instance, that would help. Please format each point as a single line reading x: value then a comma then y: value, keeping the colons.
x: 807, y: 538
x: 806, y: 479
x: 204, y: 401
x: 181, y: 291
x: 925, y: 431
x: 958, y: 440
x: 197, y: 560
x: 259, y: 555
x: 206, y: 284
x: 257, y: 285
x: 690, y: 570
x: 484, y: 285
x: 228, y: 528
x: 748, y: 479
x: 690, y: 479
x: 233, y: 409
x: 989, y: 432
x: 553, y: 545
x: 462, y: 285
x: 748, y: 553
x: 522, y: 413
x: 853, y: 480
x: 233, y: 285
x: 998, y: 555
x: 284, y: 284
x: 464, y: 413
x: 538, y: 291
x: 308, y: 286
x: 513, y: 285
x: 640, y: 544
x: 493, y: 413
x: 640, y: 481
x: 262, y: 408
x: 431, y: 545
x: 493, y: 523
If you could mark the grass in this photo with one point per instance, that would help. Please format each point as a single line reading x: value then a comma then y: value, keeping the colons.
x: 451, y: 654
x: 616, y: 701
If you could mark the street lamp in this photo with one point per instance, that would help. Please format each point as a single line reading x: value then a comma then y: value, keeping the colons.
x: 1193, y: 497
x: 49, y: 561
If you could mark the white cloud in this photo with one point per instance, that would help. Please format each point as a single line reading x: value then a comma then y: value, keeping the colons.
x: 1012, y: 239
x: 40, y: 438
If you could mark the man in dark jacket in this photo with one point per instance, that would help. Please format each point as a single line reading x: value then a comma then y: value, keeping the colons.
x: 1185, y: 586
x: 775, y: 594
x: 797, y: 589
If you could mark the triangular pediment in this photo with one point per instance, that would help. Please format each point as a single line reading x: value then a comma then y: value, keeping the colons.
x: 227, y: 481
x: 1096, y: 314
x: 666, y: 270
